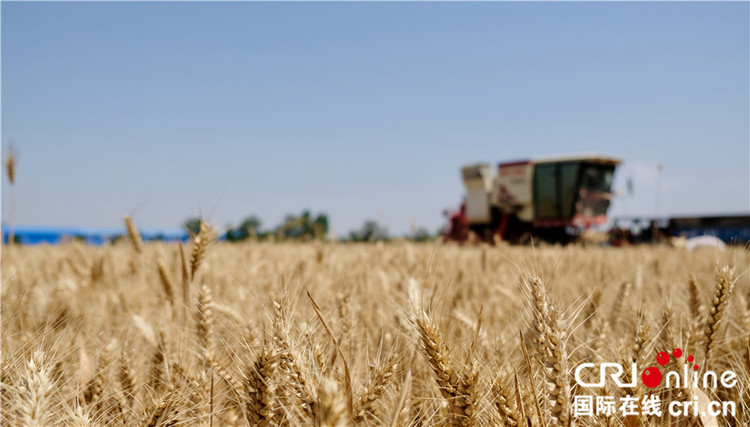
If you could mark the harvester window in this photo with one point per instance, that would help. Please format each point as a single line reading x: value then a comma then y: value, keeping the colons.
x: 596, y: 179
x: 545, y: 192
x: 568, y: 187
x: 607, y: 181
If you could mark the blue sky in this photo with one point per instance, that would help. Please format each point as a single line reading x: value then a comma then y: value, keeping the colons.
x: 362, y: 110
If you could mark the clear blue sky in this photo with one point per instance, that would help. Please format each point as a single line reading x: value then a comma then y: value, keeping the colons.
x: 362, y: 110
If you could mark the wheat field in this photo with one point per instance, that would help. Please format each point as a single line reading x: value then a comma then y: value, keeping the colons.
x: 395, y: 334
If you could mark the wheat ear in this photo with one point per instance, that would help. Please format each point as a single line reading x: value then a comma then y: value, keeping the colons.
x: 622, y: 295
x: 696, y: 312
x: 10, y: 166
x: 530, y: 371
x: 95, y: 388
x: 552, y: 352
x: 166, y: 282
x: 459, y: 391
x: 185, y: 269
x: 161, y: 415
x: 200, y: 242
x: 260, y: 395
x: 380, y: 380
x: 347, y: 373
x: 722, y: 293
x: 127, y: 379
x: 331, y: 404
x: 80, y: 418
x: 34, y: 393
x: 288, y: 360
x: 204, y: 325
x: 508, y: 416
x: 157, y: 363
x: 135, y: 236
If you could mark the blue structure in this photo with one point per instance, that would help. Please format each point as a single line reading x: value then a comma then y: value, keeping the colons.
x: 95, y: 236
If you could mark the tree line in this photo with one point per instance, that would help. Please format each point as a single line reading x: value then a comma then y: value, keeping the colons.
x: 304, y: 227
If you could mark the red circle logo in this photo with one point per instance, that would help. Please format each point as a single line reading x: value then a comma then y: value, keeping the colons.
x: 651, y: 377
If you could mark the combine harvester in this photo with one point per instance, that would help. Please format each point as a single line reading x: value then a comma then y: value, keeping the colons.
x: 551, y: 199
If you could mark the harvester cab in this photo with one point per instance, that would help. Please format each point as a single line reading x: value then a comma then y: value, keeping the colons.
x: 552, y: 199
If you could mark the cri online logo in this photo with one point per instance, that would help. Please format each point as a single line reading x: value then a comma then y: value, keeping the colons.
x: 652, y: 377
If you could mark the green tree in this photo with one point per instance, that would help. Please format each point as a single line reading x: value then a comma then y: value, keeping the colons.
x: 371, y: 231
x: 250, y: 226
x: 320, y: 226
x: 421, y: 235
x: 303, y: 227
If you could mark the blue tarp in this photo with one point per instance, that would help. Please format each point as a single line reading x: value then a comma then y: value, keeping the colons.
x: 30, y: 235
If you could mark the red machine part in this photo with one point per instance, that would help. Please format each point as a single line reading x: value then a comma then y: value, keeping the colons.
x: 458, y: 229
